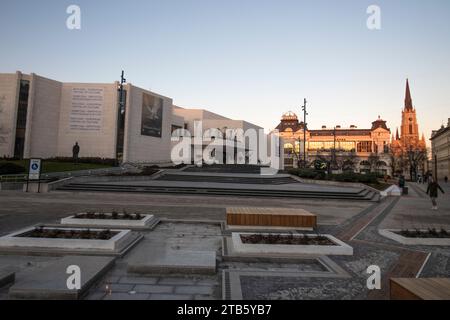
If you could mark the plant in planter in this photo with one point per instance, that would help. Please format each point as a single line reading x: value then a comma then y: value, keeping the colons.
x: 85, y: 234
x: 90, y: 214
x: 433, y: 232
x: 126, y: 215
x: 430, y: 233
x: 289, y: 239
x: 115, y: 215
x: 104, y: 234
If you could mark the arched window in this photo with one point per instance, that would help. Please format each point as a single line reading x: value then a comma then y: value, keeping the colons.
x: 381, y: 164
x: 364, y: 163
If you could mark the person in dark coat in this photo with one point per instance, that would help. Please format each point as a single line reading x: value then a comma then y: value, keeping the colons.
x: 432, y: 190
x: 75, y: 152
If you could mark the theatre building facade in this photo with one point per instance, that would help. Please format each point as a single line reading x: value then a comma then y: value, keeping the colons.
x: 342, y: 149
x: 44, y: 118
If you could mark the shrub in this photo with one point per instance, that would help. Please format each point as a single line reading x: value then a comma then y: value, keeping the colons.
x: 342, y: 177
x: 11, y: 168
x: 308, y: 173
x: 88, y: 160
x: 355, y: 177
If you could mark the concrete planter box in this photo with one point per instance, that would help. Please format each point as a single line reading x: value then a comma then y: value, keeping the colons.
x: 146, y: 221
x: 393, y: 191
x: 393, y: 235
x: 13, y: 241
x: 340, y: 248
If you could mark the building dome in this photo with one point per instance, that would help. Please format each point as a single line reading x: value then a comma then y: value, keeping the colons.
x: 379, y: 123
x: 289, y: 116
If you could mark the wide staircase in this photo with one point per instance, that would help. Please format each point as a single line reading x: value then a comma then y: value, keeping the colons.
x: 357, y: 195
x: 227, y: 179
x: 226, y: 168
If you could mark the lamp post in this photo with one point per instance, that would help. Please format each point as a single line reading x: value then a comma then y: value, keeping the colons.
x: 333, y: 156
x: 435, y: 167
x: 304, y: 132
x: 120, y: 121
x: 121, y: 103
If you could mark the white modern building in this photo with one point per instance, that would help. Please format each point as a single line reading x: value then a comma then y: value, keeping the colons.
x: 43, y: 118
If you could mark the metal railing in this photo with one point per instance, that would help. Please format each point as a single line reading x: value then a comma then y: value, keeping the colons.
x: 13, y: 178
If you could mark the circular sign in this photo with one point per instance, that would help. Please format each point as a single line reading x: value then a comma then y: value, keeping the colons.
x: 320, y: 165
x: 34, y: 166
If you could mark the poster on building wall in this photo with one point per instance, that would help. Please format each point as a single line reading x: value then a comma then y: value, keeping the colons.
x: 87, y: 109
x: 152, y: 113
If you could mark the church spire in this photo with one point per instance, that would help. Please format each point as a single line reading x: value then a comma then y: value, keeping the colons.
x: 408, y: 100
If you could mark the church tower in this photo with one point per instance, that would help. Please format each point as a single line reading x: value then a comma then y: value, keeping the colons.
x: 410, y: 129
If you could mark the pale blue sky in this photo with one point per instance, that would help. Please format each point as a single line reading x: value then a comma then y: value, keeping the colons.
x: 247, y: 59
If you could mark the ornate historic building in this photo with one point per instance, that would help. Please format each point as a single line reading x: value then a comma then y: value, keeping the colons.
x: 408, y: 148
x: 359, y: 150
x: 440, y: 146
x: 352, y: 149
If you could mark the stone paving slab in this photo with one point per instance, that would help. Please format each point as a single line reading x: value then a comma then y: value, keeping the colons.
x: 127, y: 296
x: 51, y: 281
x: 138, y: 280
x: 150, y: 288
x: 150, y: 259
x: 7, y: 276
x: 206, y: 290
x: 156, y: 296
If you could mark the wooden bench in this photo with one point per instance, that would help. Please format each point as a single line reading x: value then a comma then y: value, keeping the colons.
x: 271, y: 217
x: 420, y: 289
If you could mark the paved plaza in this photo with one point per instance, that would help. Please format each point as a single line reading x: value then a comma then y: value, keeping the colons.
x: 194, y: 224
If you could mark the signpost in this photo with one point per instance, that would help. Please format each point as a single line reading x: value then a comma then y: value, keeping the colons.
x: 34, y: 172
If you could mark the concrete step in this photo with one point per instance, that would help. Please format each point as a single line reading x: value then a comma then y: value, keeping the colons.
x: 219, y: 179
x: 365, y: 195
x: 224, y: 168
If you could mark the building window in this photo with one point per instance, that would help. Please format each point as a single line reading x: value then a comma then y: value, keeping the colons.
x: 288, y: 148
x: 21, y: 123
x: 23, y: 104
x: 364, y: 146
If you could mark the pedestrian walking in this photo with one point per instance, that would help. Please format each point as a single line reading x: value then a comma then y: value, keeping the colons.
x: 432, y: 191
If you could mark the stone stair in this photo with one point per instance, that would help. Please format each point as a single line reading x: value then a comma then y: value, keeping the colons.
x: 361, y: 195
x: 229, y: 179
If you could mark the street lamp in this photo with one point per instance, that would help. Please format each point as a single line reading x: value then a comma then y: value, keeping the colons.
x: 121, y: 102
x: 304, y: 132
x: 435, y: 167
x: 120, y: 121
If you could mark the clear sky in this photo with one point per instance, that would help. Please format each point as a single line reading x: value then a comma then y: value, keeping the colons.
x: 247, y: 59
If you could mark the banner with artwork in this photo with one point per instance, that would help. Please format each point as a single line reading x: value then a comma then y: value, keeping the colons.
x: 152, y: 113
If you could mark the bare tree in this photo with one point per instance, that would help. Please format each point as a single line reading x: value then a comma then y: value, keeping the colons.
x: 349, y: 161
x: 373, y: 161
x: 416, y: 159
